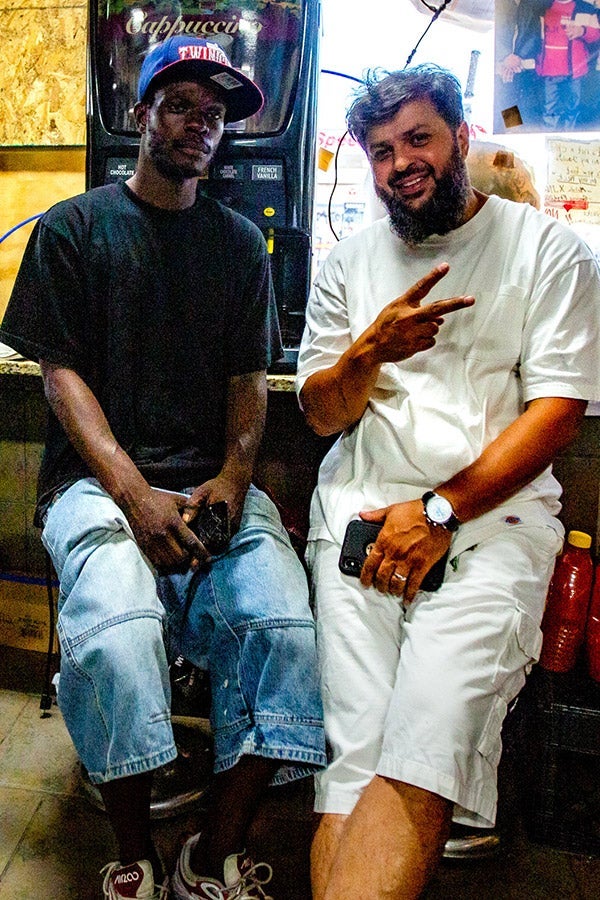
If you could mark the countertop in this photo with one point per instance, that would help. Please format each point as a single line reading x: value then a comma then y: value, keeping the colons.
x: 26, y: 367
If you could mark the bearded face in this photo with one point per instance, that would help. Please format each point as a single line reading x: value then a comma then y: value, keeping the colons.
x: 414, y: 218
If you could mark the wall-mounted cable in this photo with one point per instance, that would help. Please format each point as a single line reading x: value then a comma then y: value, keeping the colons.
x: 20, y: 225
x: 436, y: 11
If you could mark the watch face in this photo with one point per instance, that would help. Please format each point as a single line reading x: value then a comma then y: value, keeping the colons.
x: 439, y: 509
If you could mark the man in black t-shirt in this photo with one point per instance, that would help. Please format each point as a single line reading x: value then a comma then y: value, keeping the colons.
x: 150, y: 310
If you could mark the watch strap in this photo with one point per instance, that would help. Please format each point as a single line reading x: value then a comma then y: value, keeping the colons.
x: 452, y: 523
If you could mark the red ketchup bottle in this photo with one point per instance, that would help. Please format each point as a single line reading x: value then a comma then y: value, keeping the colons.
x: 564, y: 622
x: 592, y: 632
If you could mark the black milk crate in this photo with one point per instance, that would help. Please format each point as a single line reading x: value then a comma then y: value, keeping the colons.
x: 562, y: 774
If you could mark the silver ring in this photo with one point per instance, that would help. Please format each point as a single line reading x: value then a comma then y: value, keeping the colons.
x: 400, y: 577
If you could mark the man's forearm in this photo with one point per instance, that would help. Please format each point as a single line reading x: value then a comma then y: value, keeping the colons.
x: 510, y: 462
x: 517, y: 456
x: 335, y: 398
x: 87, y: 428
x: 246, y: 416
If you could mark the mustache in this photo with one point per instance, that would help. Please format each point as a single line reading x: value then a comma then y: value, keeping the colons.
x: 193, y: 144
x: 441, y: 213
x: 396, y: 179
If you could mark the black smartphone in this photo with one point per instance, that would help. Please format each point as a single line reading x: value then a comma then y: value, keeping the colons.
x: 212, y: 526
x: 358, y: 541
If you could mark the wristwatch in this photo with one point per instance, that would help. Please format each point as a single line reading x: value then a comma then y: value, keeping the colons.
x: 438, y: 511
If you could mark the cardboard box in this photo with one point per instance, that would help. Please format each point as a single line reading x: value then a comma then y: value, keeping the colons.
x: 24, y: 612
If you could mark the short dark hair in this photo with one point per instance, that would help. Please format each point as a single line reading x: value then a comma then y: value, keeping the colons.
x: 383, y: 94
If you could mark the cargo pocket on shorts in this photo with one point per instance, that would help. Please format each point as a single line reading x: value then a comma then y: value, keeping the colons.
x: 490, y: 745
x: 521, y: 651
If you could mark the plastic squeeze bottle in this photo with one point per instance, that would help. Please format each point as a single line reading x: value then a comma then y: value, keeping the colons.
x: 564, y: 621
x: 592, y: 632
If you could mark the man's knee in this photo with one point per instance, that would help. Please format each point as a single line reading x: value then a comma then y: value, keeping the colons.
x: 415, y: 796
x: 122, y: 649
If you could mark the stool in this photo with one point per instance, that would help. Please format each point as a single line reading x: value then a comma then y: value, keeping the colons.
x: 181, y: 785
x: 471, y: 843
x: 49, y: 681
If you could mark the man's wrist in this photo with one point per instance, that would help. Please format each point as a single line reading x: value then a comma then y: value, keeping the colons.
x: 236, y: 473
x: 439, y: 512
x: 364, y: 356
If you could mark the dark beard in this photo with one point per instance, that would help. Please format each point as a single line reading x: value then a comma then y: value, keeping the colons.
x: 159, y: 153
x: 443, y: 212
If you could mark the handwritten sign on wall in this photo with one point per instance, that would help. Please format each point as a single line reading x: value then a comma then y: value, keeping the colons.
x: 573, y: 184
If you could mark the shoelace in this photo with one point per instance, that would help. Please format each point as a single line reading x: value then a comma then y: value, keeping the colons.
x: 109, y: 868
x: 213, y: 892
x: 163, y: 892
x: 252, y: 879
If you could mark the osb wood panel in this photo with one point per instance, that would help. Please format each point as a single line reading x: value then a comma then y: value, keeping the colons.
x: 42, y: 76
x: 30, y: 182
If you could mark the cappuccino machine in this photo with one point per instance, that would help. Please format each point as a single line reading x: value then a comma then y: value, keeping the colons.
x: 265, y: 166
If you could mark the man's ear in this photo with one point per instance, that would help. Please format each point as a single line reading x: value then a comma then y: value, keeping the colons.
x: 140, y: 114
x: 462, y: 136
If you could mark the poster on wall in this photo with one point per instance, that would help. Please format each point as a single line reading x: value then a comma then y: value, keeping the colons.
x: 573, y: 187
x: 547, y: 66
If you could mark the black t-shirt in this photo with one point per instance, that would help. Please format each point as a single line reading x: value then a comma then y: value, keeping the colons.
x: 155, y: 310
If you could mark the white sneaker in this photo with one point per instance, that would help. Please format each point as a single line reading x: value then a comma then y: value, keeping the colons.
x: 242, y: 879
x: 132, y: 882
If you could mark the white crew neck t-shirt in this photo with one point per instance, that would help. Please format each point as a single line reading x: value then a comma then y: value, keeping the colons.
x: 533, y: 332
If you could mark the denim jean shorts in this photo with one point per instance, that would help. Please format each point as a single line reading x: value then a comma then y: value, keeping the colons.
x: 245, y: 617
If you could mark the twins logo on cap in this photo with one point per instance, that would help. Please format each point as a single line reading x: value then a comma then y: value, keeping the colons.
x: 204, y: 50
x: 182, y: 57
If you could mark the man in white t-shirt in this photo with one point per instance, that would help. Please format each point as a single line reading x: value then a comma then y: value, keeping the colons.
x: 450, y: 450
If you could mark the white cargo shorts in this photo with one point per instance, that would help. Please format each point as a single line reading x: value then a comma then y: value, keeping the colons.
x: 419, y: 695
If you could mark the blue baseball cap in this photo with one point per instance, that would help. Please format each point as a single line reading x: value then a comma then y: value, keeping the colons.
x: 181, y: 57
